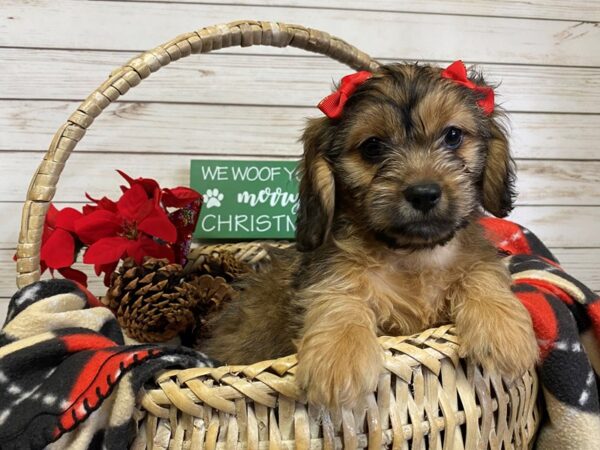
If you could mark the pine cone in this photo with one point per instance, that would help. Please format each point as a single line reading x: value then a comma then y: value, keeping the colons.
x: 152, y: 303
x: 211, y: 293
x: 220, y: 264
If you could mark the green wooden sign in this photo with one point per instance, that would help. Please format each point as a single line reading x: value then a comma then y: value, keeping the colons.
x: 246, y: 199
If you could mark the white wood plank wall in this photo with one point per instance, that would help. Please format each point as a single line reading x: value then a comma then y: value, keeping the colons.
x: 252, y: 102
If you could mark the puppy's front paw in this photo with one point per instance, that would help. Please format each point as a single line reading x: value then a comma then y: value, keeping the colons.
x: 502, y: 341
x: 339, y: 371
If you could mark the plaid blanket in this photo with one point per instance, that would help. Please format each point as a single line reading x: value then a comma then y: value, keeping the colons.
x: 566, y: 319
x: 67, y: 379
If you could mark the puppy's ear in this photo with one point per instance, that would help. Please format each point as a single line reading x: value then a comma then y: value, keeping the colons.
x: 317, y: 186
x: 499, y: 172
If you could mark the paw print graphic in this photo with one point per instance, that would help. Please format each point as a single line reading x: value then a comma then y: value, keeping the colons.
x: 213, y: 198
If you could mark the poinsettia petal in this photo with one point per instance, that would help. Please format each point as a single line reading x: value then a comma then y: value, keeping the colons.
x: 46, y: 233
x: 135, y: 251
x: 131, y: 202
x: 145, y: 246
x: 108, y: 269
x: 145, y: 210
x: 157, y: 197
x: 51, y: 216
x: 127, y: 177
x: 148, y: 184
x: 59, y: 250
x: 66, y: 218
x: 179, y: 197
x: 108, y: 276
x: 88, y: 209
x: 106, y: 250
x: 103, y: 203
x: 73, y: 274
x: 97, y: 225
x: 158, y: 225
x: 161, y: 251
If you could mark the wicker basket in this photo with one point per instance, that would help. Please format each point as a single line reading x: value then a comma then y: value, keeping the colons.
x: 426, y: 398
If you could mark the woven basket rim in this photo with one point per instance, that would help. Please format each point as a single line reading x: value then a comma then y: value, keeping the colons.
x: 225, y: 399
x: 244, y: 33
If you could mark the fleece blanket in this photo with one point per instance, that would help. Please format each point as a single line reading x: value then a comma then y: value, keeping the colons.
x: 566, y: 319
x: 67, y: 379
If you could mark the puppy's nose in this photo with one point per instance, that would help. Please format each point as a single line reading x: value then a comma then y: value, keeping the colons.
x: 423, y: 197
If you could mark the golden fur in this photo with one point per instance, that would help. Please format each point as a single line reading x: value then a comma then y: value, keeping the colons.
x: 368, y: 261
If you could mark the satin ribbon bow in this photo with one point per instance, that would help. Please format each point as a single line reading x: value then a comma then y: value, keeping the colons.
x: 333, y: 105
x: 457, y: 72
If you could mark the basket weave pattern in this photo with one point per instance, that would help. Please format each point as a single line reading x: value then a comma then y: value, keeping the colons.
x: 426, y: 398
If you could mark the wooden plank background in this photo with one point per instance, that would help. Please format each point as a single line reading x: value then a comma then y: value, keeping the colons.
x: 252, y: 103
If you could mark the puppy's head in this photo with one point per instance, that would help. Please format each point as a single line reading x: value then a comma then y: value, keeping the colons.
x: 410, y: 160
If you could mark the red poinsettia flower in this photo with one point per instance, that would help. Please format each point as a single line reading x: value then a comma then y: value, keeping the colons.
x: 150, y: 185
x: 179, y: 197
x: 145, y: 221
x: 186, y: 203
x: 139, y: 227
x: 59, y: 244
x: 103, y: 203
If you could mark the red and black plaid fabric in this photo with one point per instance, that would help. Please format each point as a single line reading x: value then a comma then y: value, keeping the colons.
x: 566, y: 319
x: 66, y: 376
x: 67, y: 379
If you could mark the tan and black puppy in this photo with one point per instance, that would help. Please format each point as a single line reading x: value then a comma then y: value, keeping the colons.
x: 388, y: 240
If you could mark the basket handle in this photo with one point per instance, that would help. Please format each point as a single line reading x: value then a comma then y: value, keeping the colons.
x: 241, y: 33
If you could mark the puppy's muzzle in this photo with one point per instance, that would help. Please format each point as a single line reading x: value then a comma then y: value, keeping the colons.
x: 424, y: 196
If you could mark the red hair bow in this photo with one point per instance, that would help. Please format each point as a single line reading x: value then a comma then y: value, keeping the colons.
x: 333, y: 105
x: 457, y: 72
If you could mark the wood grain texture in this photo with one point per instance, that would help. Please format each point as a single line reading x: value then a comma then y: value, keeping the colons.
x: 555, y: 136
x: 557, y: 226
x: 8, y: 284
x: 561, y: 226
x: 291, y: 81
x: 581, y: 263
x: 249, y: 130
x: 3, y: 309
x: 252, y: 102
x: 539, y: 182
x: 41, y: 24
x: 558, y: 182
x: 547, y: 9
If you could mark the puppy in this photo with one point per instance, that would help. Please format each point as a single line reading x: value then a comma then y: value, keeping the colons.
x: 387, y: 239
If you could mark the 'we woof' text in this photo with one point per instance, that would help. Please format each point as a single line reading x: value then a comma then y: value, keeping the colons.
x: 249, y: 198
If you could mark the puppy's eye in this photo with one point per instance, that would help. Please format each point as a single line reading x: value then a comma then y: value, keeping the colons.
x: 372, y: 150
x: 453, y: 138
